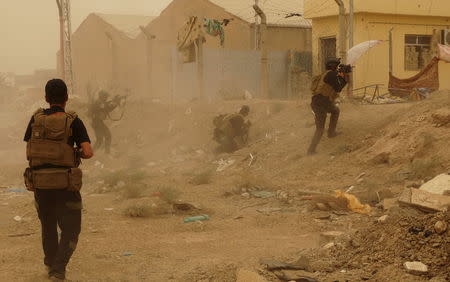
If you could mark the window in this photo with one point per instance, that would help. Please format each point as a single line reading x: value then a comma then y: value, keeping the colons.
x: 417, y: 51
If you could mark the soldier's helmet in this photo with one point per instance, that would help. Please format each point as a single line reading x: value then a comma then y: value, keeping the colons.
x: 332, y: 62
x: 103, y: 95
x: 245, y: 110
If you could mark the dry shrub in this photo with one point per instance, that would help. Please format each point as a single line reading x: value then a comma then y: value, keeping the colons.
x: 202, y: 178
x: 169, y: 194
x: 138, y: 210
x: 133, y: 190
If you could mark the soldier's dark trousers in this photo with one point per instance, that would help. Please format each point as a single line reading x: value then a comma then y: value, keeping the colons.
x: 102, y: 135
x: 58, y: 208
x: 321, y: 106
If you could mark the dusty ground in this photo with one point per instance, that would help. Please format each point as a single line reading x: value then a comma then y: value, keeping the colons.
x: 160, y: 148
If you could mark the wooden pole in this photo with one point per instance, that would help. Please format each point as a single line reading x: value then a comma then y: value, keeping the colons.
x: 390, y: 51
x: 200, y: 67
x: 264, y: 60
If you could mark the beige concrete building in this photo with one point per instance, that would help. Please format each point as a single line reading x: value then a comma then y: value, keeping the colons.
x: 107, y: 53
x: 286, y: 30
x: 413, y: 23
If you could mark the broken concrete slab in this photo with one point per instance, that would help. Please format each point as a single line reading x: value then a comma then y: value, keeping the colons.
x: 437, y: 185
x: 296, y: 275
x: 390, y: 203
x: 424, y: 200
x: 415, y: 267
x: 244, y: 275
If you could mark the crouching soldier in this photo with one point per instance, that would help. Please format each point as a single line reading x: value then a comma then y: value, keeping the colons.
x: 54, y: 177
x: 231, y: 131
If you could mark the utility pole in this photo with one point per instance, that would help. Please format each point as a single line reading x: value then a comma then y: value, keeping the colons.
x: 256, y: 26
x: 390, y: 51
x: 65, y: 33
x: 342, y: 32
x: 264, y: 61
x: 350, y: 44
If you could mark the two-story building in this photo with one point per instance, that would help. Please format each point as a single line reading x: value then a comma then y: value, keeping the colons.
x: 413, y: 24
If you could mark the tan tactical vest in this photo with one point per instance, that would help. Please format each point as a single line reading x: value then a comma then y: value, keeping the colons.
x: 226, y: 126
x: 49, y: 137
x: 325, y: 89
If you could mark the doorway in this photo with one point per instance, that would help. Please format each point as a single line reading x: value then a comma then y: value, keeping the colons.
x: 327, y: 50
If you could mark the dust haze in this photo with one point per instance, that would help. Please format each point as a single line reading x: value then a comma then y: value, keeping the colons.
x: 177, y: 192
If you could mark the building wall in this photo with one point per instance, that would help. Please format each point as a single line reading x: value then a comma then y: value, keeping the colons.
x: 239, y: 35
x: 115, y: 62
x: 373, y: 67
x: 314, y: 8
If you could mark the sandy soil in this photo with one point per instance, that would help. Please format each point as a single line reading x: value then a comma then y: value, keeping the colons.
x: 169, y: 145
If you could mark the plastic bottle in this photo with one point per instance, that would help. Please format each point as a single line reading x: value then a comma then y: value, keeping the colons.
x: 196, y: 218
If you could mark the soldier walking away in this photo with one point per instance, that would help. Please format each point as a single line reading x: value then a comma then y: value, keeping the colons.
x: 325, y: 90
x: 99, y: 111
x: 231, y: 130
x: 54, y: 177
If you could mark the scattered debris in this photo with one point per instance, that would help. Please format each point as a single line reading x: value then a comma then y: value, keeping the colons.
x: 224, y: 164
x: 184, y: 207
x: 353, y: 203
x: 329, y: 246
x: 16, y: 190
x: 382, y: 219
x: 295, y: 275
x: 277, y: 265
x: 437, y: 185
x: 127, y: 254
x: 244, y: 275
x: 268, y: 211
x: 196, y: 218
x: 441, y: 117
x: 262, y: 194
x: 440, y: 227
x: 108, y: 209
x: 415, y: 267
x: 331, y: 235
x: 17, y: 218
x: 424, y: 200
x: 21, y: 235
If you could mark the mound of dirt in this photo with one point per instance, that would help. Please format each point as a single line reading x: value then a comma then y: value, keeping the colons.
x: 405, y: 235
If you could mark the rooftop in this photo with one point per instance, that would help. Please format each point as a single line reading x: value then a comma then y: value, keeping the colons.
x: 278, y: 12
x: 128, y: 24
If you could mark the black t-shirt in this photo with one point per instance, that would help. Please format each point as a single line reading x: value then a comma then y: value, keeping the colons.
x: 79, y: 132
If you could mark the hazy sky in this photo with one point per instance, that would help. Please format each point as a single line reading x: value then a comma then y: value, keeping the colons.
x: 29, y: 29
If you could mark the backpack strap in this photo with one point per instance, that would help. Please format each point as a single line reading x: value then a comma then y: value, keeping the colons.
x: 70, y: 118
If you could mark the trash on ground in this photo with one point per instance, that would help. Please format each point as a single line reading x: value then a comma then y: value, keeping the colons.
x: 268, y: 210
x: 262, y: 194
x: 108, y: 209
x: 415, y: 267
x: 17, y: 218
x: 185, y: 207
x: 276, y: 265
x: 224, y: 164
x: 353, y: 203
x: 196, y: 218
x: 127, y: 254
x: 16, y: 190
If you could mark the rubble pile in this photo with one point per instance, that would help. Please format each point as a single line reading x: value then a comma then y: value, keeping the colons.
x: 405, y: 236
